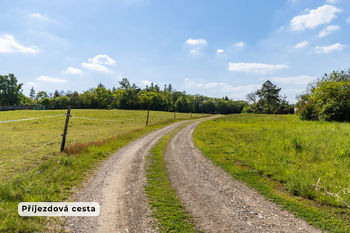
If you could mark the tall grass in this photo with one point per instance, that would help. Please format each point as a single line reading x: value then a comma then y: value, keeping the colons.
x: 307, y: 159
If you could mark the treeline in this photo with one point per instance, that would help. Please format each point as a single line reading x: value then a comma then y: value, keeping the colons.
x: 327, y: 99
x: 267, y: 100
x: 126, y: 96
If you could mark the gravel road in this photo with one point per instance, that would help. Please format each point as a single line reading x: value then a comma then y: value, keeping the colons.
x: 118, y: 185
x: 216, y: 201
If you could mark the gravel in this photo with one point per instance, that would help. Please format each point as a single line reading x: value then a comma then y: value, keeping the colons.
x: 217, y: 202
x: 118, y: 185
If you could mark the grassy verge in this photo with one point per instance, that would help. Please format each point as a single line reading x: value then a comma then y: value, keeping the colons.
x: 283, y: 158
x: 166, y: 206
x: 53, y: 180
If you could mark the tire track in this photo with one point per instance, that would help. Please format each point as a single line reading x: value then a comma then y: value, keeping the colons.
x: 118, y: 185
x: 216, y: 201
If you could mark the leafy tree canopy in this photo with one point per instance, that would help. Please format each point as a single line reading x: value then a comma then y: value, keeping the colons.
x: 327, y: 99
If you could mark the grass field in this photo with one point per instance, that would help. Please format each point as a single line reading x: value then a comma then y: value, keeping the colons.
x: 166, y: 206
x: 33, y: 172
x: 25, y: 143
x: 301, y: 165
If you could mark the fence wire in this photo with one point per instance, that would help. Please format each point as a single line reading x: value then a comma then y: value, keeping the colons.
x: 59, y: 137
x: 99, y: 119
x: 28, y: 119
x: 31, y: 152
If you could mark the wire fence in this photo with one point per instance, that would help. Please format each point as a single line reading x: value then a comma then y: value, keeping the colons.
x: 99, y: 119
x: 29, y: 119
x: 30, y: 154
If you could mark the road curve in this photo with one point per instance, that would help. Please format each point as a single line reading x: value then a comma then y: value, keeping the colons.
x: 118, y: 185
x: 216, y: 201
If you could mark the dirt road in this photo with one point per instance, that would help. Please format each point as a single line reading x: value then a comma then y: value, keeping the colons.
x: 118, y: 186
x: 212, y: 197
x: 215, y: 200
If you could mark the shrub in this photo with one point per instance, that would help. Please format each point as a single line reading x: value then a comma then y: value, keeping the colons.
x: 327, y: 99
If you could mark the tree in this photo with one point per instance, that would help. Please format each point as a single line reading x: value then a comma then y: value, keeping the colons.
x: 102, y: 97
x: 56, y: 94
x: 269, y: 99
x: 208, y: 106
x: 152, y: 100
x: 251, y: 97
x: 327, y: 99
x: 41, y: 95
x: 185, y: 104
x: 10, y: 90
x: 124, y: 84
x: 32, y: 93
x: 128, y: 96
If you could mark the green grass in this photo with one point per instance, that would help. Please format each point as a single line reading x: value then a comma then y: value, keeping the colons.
x: 49, y: 176
x: 166, y: 207
x: 283, y: 158
x: 25, y: 144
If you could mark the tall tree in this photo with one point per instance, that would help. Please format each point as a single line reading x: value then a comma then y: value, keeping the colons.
x: 10, y: 90
x: 269, y: 98
x: 32, y: 93
x: 41, y: 95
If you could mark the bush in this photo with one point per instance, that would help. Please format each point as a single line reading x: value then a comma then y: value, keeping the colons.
x: 308, y: 111
x: 248, y: 109
x: 327, y: 99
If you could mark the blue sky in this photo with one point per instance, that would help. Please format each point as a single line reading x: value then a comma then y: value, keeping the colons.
x: 216, y: 48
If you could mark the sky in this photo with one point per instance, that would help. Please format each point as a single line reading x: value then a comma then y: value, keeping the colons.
x: 214, y: 48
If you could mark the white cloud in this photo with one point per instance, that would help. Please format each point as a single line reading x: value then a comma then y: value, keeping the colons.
x: 330, y: 48
x: 240, y: 44
x: 302, y: 44
x: 219, y: 89
x: 328, y: 30
x: 8, y: 44
x: 255, y: 67
x: 219, y: 51
x: 95, y: 67
x: 32, y: 84
x: 102, y: 59
x: 194, y: 51
x: 196, y: 45
x: 72, y: 70
x: 97, y: 63
x: 200, y: 42
x: 39, y: 16
x: 348, y: 20
x: 293, y: 80
x: 48, y: 79
x: 322, y: 15
x: 146, y: 82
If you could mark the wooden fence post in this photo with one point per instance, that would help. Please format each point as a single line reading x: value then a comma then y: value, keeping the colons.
x: 65, y: 129
x: 190, y: 115
x: 147, y: 117
x: 174, y: 114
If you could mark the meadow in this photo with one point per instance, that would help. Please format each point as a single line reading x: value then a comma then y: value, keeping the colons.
x: 32, y: 169
x: 301, y: 165
x: 26, y: 143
